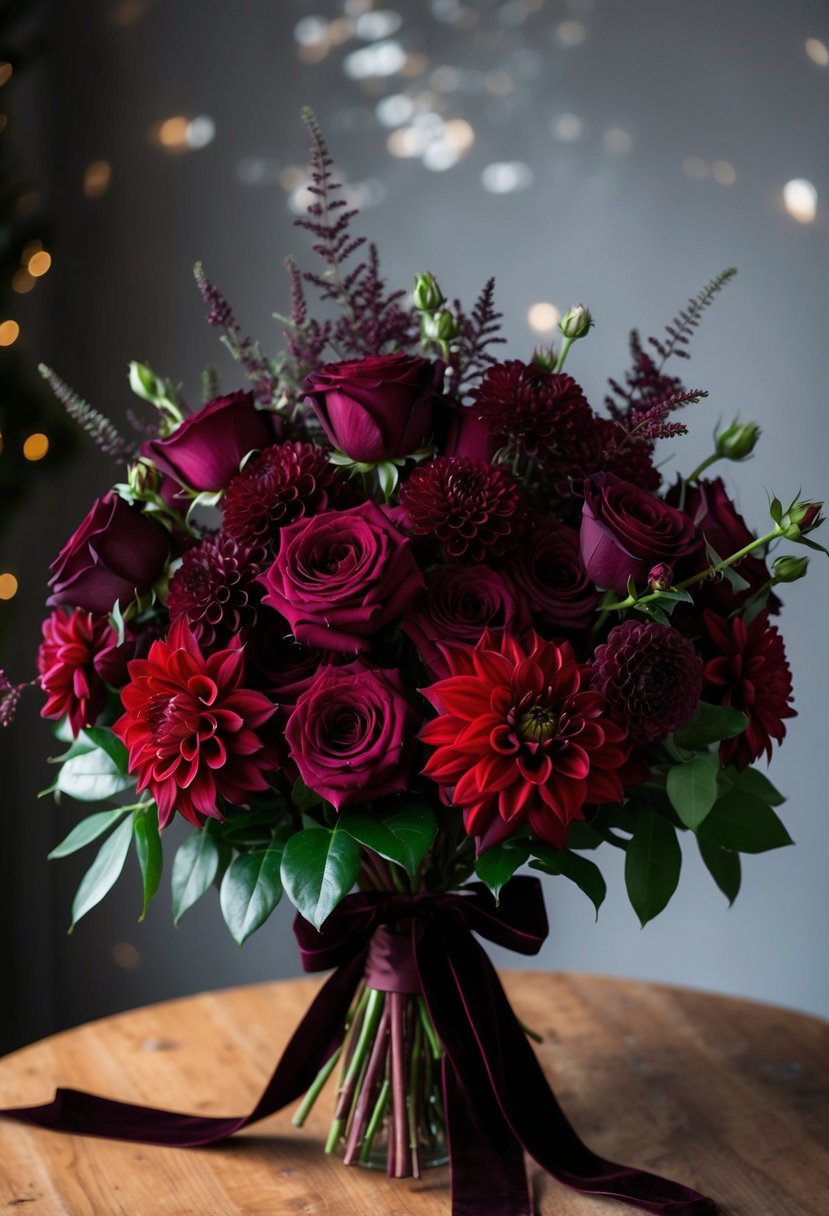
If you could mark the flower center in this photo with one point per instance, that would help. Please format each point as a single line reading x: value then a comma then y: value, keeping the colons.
x: 537, y: 724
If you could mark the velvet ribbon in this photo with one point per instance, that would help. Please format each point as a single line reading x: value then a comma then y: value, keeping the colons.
x: 498, y: 1102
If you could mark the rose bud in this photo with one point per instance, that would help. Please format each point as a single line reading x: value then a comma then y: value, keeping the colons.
x: 205, y: 451
x: 146, y: 384
x: 803, y: 517
x: 661, y: 577
x: 545, y: 357
x: 378, y: 408
x: 738, y: 441
x: 788, y: 568
x: 440, y: 327
x: 576, y: 322
x: 427, y: 295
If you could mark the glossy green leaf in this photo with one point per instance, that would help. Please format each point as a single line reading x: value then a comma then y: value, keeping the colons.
x: 150, y: 855
x: 92, y: 777
x: 724, y: 867
x: 104, y: 871
x: 99, y: 736
x: 251, y: 889
x: 497, y: 865
x: 403, y: 834
x: 744, y: 824
x: 711, y: 724
x: 195, y: 866
x: 652, y: 864
x: 692, y: 787
x: 86, y: 831
x: 319, y: 868
x: 584, y: 873
x: 752, y: 781
x: 303, y: 798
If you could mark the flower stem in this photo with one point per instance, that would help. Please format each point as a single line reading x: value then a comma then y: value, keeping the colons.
x: 429, y: 1030
x: 566, y: 343
x: 373, y: 1072
x: 700, y: 469
x: 398, y: 1087
x: 313, y: 1093
x: 374, y: 1122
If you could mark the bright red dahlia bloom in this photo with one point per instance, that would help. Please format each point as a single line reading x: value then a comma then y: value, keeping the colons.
x: 750, y: 673
x: 192, y: 728
x: 520, y: 740
x: 79, y: 654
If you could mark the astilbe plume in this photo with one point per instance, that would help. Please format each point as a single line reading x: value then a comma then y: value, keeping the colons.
x: 472, y: 508
x: 215, y: 588
x: 477, y: 332
x: 104, y: 433
x: 10, y: 694
x: 259, y: 369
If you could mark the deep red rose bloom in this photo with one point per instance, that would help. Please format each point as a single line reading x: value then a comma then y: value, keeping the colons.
x: 750, y: 673
x: 340, y: 576
x: 78, y: 657
x: 458, y: 605
x: 216, y: 588
x: 467, y: 434
x: 651, y: 677
x: 472, y: 508
x: 625, y: 531
x: 116, y: 553
x: 280, y: 485
x: 205, y: 451
x: 377, y: 408
x: 521, y: 740
x: 530, y: 408
x: 351, y: 734
x: 550, y: 572
x: 193, y: 729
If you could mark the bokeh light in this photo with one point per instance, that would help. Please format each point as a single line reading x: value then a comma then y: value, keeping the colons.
x: 9, y: 333
x: 800, y: 200
x: 543, y: 317
x: 36, y: 446
x: 8, y: 586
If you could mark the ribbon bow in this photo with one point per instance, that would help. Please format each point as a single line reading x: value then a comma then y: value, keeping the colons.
x: 498, y: 1103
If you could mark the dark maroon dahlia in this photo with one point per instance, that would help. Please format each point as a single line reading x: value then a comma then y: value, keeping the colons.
x: 215, y: 588
x: 278, y: 486
x: 529, y: 408
x: 651, y: 677
x: 474, y: 509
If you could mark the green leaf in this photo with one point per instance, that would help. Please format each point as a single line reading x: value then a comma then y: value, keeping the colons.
x: 404, y: 834
x: 92, y: 777
x: 150, y: 856
x: 303, y: 798
x: 652, y: 865
x: 319, y: 868
x: 99, y: 736
x: 195, y: 866
x: 63, y: 731
x: 736, y: 581
x: 711, y: 724
x: 584, y: 873
x: 104, y: 871
x: 497, y: 865
x: 724, y: 867
x: 582, y: 836
x: 86, y: 831
x: 744, y: 824
x: 810, y: 544
x: 776, y: 510
x: 752, y: 781
x: 692, y: 788
x: 251, y: 889
x: 116, y: 618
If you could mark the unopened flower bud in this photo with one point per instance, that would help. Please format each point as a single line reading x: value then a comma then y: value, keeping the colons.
x: 802, y: 518
x: 737, y: 441
x: 576, y: 322
x: 788, y: 568
x: 427, y: 295
x: 146, y: 384
x: 439, y: 326
x: 143, y: 478
x: 661, y: 577
x: 545, y: 357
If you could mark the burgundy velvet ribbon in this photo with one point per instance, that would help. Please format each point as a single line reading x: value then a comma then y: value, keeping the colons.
x: 498, y: 1103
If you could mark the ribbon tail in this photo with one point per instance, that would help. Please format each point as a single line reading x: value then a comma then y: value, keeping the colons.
x: 313, y: 1042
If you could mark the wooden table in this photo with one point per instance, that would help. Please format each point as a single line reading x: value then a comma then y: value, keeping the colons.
x: 729, y: 1096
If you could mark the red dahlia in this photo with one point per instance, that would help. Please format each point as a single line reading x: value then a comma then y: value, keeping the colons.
x: 750, y: 673
x: 473, y: 508
x: 192, y: 728
x: 79, y: 654
x: 519, y: 740
x: 651, y: 677
x: 528, y: 408
x: 215, y: 587
x: 281, y: 484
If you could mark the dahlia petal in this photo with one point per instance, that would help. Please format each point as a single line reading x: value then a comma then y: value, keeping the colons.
x: 464, y: 696
x: 514, y: 799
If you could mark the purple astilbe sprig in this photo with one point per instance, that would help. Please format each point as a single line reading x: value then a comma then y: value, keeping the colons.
x: 261, y: 371
x: 477, y: 332
x: 147, y: 428
x: 680, y: 329
x: 103, y: 432
x: 10, y: 695
x: 652, y: 422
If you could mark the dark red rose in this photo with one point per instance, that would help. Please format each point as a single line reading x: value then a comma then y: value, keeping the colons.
x: 625, y: 531
x: 459, y: 603
x: 749, y: 673
x: 651, y: 677
x: 205, y: 451
x: 78, y: 657
x: 115, y: 554
x: 352, y: 734
x: 468, y: 435
x: 550, y: 572
x: 378, y: 408
x: 340, y: 576
x: 193, y: 729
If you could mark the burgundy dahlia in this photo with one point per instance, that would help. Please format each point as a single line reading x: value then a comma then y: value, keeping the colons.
x: 651, y: 678
x: 520, y: 740
x: 281, y: 484
x: 215, y: 588
x: 528, y: 408
x: 749, y: 673
x: 193, y: 729
x: 474, y: 509
x: 78, y: 656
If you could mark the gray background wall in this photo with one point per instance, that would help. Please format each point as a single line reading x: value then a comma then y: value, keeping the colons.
x: 626, y: 223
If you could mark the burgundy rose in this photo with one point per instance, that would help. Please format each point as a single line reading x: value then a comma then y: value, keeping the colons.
x: 115, y: 554
x: 78, y: 657
x: 205, y: 451
x: 352, y: 734
x: 468, y: 436
x: 550, y: 572
x: 625, y: 531
x: 341, y: 576
x: 378, y: 408
x: 458, y: 605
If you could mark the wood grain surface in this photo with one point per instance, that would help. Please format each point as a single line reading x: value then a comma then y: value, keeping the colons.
x: 728, y: 1096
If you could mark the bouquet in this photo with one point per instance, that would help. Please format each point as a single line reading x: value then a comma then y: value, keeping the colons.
x: 394, y: 622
